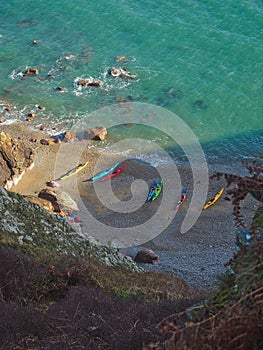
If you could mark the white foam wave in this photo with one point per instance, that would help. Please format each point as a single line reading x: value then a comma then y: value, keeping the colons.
x: 16, y: 74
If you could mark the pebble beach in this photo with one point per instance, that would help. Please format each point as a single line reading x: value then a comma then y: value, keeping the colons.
x: 198, y: 256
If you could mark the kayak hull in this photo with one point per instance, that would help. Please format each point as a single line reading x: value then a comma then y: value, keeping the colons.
x: 103, y: 173
x: 214, y: 199
x: 182, y: 199
x: 157, y: 191
x: 152, y: 189
x: 73, y: 171
x: 114, y: 174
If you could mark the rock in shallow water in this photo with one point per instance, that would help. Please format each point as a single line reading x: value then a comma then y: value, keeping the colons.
x: 98, y: 133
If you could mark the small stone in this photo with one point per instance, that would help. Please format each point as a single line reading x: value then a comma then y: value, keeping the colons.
x: 9, y: 109
x: 41, y: 107
x: 43, y: 127
x: 61, y: 89
x: 45, y: 142
x: 31, y: 115
x: 35, y: 42
x: 1, y: 120
x: 52, y: 183
x: 58, y: 141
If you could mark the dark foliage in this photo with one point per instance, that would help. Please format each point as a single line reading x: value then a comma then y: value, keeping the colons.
x: 59, y: 307
x: 232, y: 318
x: 240, y: 186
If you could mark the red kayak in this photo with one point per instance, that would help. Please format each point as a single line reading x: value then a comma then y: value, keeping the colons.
x: 115, y: 173
x: 182, y: 199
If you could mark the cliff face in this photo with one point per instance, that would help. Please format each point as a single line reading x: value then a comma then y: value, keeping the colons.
x: 35, y: 231
x: 15, y: 159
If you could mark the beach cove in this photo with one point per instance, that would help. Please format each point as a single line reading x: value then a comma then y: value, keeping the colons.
x: 197, y: 256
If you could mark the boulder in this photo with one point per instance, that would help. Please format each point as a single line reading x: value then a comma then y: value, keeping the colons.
x: 60, y: 200
x: 120, y: 72
x: 89, y: 82
x: 31, y: 71
x: 97, y: 133
x: 69, y: 136
x: 15, y: 159
x: 146, y: 256
x: 41, y: 202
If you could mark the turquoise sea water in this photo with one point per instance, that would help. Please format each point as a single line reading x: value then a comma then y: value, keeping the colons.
x: 200, y: 59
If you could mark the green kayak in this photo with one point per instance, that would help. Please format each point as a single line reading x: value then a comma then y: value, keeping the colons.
x: 157, y: 191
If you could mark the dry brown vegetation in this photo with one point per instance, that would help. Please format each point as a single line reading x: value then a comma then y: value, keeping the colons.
x: 75, y: 304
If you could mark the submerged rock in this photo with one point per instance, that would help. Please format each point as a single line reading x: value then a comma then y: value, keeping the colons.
x: 121, y: 59
x: 15, y: 159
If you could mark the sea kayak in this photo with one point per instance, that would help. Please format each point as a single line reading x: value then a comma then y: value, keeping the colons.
x: 182, y: 199
x: 214, y: 199
x: 73, y: 171
x: 157, y: 191
x: 103, y: 173
x: 115, y: 173
x: 152, y: 189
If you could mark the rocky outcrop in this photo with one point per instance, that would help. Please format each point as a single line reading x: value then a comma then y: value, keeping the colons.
x: 41, y: 202
x: 97, y: 133
x: 60, y: 200
x: 23, y: 223
x: 15, y: 159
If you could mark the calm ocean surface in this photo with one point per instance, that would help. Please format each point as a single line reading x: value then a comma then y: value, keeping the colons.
x: 200, y: 59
